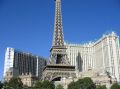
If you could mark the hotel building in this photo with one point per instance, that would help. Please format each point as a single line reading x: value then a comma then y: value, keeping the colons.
x: 24, y: 65
x: 102, y: 55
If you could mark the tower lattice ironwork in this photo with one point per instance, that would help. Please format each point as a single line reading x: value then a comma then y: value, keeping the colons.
x: 58, y: 50
x: 59, y: 66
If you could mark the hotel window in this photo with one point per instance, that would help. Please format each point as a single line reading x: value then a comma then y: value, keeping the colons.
x: 10, y: 73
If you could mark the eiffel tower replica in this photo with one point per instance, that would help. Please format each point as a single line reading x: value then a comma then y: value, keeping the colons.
x: 59, y: 66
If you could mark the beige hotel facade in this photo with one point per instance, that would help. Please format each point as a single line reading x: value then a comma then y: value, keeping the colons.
x: 102, y: 56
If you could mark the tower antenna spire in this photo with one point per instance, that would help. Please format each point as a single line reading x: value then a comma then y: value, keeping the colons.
x: 58, y: 38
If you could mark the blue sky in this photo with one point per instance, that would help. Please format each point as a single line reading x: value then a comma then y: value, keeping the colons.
x: 28, y: 24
